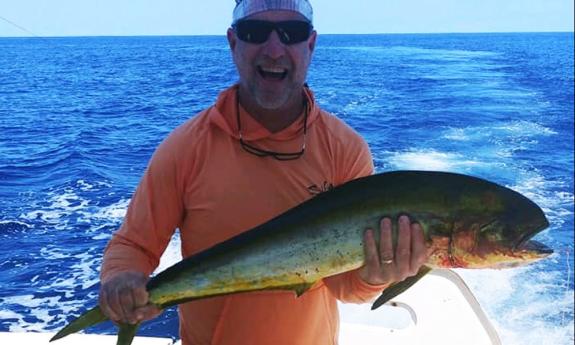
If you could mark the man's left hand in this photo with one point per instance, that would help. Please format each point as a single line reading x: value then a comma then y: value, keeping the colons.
x: 385, y: 265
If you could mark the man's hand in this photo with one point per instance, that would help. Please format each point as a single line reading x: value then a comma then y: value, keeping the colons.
x: 384, y: 265
x: 124, y: 299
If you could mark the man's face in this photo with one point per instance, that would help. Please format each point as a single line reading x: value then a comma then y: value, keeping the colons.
x: 272, y: 73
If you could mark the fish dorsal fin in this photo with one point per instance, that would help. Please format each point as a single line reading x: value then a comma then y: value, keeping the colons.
x: 397, y: 288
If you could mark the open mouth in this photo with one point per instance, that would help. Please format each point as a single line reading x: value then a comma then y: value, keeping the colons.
x: 272, y: 73
x: 536, y: 247
x: 538, y: 224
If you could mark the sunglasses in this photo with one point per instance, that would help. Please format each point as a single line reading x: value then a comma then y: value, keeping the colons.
x: 258, y: 31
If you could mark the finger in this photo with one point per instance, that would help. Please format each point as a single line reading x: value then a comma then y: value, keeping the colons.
x: 418, y: 248
x: 105, y: 305
x: 114, y: 305
x: 148, y: 312
x: 127, y: 305
x: 140, y: 296
x: 403, y: 250
x: 386, y: 241
x: 370, y: 250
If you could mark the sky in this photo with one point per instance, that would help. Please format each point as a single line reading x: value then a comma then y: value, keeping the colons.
x: 212, y: 17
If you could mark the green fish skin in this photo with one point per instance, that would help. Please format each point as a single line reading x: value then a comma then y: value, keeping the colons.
x: 468, y: 222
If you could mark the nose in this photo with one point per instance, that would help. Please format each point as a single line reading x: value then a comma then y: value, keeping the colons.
x: 273, y: 47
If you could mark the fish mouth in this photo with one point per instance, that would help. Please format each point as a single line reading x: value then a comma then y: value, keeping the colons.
x: 536, y: 249
x: 525, y: 239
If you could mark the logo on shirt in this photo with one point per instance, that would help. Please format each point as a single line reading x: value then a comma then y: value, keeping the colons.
x: 314, y: 189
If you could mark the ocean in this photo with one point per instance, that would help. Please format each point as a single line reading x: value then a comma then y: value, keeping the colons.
x: 80, y: 118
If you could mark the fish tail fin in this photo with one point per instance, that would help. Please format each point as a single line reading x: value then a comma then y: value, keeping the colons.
x: 90, y: 318
x: 126, y: 334
x: 397, y: 288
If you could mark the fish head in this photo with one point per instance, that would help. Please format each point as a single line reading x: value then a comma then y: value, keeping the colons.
x: 504, y: 241
x: 499, y: 246
x: 471, y: 222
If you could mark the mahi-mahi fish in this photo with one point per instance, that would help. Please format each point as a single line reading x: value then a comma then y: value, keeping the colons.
x: 468, y: 222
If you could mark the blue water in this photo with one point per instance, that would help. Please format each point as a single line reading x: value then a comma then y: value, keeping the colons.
x: 80, y: 117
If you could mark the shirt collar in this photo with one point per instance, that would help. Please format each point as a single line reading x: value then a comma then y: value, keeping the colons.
x: 223, y: 114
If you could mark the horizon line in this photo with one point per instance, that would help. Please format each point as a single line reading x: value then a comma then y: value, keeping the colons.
x: 319, y: 34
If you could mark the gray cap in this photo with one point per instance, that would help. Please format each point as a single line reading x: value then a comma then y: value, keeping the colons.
x: 245, y: 8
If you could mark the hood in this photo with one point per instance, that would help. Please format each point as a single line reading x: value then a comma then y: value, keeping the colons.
x: 223, y: 115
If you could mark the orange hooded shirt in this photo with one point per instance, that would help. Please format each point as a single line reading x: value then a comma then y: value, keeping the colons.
x: 201, y: 181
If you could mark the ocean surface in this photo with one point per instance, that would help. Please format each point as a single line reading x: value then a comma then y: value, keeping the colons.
x: 80, y: 117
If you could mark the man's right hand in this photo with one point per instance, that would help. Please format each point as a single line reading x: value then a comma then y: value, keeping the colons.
x: 124, y: 299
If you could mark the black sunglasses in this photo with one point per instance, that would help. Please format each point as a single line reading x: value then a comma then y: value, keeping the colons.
x: 280, y: 156
x: 258, y: 31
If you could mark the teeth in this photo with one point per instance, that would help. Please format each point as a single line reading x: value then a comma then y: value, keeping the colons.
x: 273, y: 69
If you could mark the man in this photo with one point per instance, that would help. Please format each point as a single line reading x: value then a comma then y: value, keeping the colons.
x: 264, y: 147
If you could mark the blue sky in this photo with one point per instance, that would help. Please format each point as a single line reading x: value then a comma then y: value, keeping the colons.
x: 212, y: 17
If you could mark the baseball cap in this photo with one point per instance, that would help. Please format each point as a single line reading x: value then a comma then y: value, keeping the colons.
x: 245, y: 8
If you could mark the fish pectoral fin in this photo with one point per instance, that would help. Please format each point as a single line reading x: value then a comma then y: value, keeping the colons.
x: 90, y: 318
x: 126, y: 334
x: 397, y: 288
x: 300, y: 289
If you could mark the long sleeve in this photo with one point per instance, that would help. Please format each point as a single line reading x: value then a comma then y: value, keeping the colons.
x: 155, y: 211
x: 348, y: 287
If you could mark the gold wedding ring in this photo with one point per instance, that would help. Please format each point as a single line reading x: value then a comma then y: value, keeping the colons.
x: 386, y: 261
